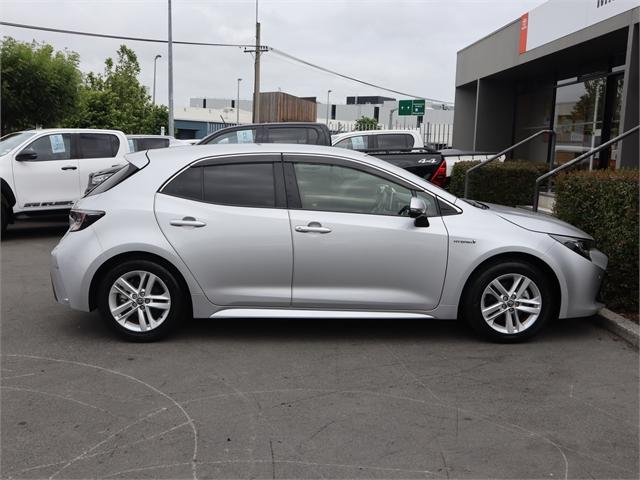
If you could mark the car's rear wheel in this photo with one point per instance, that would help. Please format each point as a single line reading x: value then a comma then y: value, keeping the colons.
x: 141, y: 300
x: 509, y: 302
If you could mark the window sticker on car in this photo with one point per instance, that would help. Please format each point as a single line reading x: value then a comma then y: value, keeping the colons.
x: 57, y: 143
x: 245, y: 136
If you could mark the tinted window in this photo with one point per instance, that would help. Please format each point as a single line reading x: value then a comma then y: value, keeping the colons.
x: 359, y: 142
x: 237, y: 136
x: 291, y: 135
x: 186, y: 185
x: 341, y: 189
x: 393, y: 141
x: 150, y: 143
x: 97, y: 145
x: 51, y: 147
x: 241, y: 184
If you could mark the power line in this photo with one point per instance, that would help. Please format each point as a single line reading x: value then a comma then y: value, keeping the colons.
x: 239, y: 45
x: 119, y: 37
x: 354, y: 79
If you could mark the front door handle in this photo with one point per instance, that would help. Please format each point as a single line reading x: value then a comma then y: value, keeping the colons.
x: 187, y: 222
x: 312, y: 227
x: 69, y: 167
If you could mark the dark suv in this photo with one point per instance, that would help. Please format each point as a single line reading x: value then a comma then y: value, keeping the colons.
x: 299, y: 132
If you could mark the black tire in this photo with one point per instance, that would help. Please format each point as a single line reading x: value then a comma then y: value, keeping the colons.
x: 4, y: 213
x: 178, y: 306
x: 471, y: 307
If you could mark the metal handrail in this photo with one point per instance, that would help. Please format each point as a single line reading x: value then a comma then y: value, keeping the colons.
x: 504, y: 152
x: 570, y: 164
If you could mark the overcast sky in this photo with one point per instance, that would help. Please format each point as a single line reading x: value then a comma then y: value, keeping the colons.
x: 407, y: 45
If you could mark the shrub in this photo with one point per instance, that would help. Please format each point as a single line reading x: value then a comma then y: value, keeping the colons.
x: 605, y: 205
x: 507, y: 183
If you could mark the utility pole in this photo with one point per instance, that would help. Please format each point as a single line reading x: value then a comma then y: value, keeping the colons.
x: 238, y: 103
x: 328, y: 93
x: 155, y: 61
x: 256, y: 73
x: 170, y: 45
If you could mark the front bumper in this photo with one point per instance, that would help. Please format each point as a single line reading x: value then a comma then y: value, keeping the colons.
x: 582, y: 281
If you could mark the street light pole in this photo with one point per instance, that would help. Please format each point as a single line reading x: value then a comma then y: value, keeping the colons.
x: 170, y: 46
x: 155, y: 60
x: 238, y: 103
x: 328, y: 93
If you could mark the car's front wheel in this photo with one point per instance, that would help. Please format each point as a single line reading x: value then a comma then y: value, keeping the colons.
x: 141, y: 300
x: 509, y: 302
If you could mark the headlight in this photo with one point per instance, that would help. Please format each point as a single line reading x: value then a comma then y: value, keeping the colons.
x: 80, y: 219
x: 581, y: 246
x: 95, y: 180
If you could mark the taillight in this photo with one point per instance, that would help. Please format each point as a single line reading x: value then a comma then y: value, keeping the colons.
x: 80, y: 219
x: 440, y: 176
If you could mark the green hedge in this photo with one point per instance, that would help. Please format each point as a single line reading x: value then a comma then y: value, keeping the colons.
x: 507, y: 183
x: 605, y: 205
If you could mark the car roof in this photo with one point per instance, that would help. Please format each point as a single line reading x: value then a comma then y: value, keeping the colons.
x: 72, y: 130
x: 181, y: 156
x: 142, y: 135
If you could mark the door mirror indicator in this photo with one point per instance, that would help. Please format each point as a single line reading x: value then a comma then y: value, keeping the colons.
x: 417, y: 207
x: 26, y: 155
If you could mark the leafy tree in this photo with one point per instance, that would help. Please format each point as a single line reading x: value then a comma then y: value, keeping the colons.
x: 366, y: 123
x: 116, y: 99
x: 39, y: 85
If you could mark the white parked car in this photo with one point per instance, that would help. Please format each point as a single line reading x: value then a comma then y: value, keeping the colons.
x: 43, y: 171
x: 379, y: 140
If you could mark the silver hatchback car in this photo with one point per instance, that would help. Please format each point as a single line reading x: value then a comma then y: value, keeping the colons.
x: 303, y: 231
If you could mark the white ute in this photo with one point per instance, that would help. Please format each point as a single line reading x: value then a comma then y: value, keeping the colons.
x: 44, y: 171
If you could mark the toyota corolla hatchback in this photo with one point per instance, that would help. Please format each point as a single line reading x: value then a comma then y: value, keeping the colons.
x: 302, y: 231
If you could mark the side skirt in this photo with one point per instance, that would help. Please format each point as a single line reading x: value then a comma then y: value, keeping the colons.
x: 308, y: 313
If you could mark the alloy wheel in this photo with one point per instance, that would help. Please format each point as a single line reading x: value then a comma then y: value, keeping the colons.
x: 139, y: 301
x: 511, y: 303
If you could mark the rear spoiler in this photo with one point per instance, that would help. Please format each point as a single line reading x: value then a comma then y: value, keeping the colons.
x: 138, y: 159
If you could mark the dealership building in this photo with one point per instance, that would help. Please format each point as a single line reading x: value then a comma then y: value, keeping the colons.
x: 571, y: 66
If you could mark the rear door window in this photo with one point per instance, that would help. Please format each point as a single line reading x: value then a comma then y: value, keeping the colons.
x: 97, y: 145
x: 358, y: 142
x: 151, y: 143
x: 236, y: 184
x: 237, y: 136
x: 394, y: 141
x: 292, y: 135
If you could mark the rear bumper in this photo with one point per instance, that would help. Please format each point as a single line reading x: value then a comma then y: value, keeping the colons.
x: 70, y: 262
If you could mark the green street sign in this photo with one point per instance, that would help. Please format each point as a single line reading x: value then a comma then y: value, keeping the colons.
x: 411, y: 107
x: 418, y: 107
x: 405, y: 107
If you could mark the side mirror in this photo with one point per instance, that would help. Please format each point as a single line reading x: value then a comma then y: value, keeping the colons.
x: 417, y: 207
x: 26, y: 155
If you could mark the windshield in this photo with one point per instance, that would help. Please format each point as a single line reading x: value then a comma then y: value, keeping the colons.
x: 11, y: 141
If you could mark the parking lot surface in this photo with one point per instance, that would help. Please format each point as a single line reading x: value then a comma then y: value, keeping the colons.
x: 301, y: 399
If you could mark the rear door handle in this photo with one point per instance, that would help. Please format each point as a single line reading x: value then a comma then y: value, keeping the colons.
x: 187, y: 222
x: 313, y: 227
x: 69, y: 167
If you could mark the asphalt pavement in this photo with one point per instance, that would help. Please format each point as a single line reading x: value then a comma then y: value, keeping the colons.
x: 301, y: 399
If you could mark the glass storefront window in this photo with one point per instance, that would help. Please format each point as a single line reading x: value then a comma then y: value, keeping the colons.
x: 578, y: 119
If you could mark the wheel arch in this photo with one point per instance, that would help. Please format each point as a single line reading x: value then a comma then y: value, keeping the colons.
x: 515, y: 256
x: 135, y: 255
